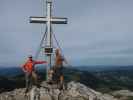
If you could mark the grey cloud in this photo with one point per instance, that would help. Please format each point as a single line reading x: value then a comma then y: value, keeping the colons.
x: 96, y: 29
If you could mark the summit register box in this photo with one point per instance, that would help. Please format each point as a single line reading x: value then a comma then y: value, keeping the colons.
x: 48, y: 50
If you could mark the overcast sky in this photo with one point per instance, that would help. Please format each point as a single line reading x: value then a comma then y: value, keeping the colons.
x: 99, y: 32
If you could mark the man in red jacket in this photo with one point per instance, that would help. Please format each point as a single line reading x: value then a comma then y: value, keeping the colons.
x: 29, y: 71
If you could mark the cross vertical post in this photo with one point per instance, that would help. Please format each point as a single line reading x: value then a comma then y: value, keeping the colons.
x: 49, y: 35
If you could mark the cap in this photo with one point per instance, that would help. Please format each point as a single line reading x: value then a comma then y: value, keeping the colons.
x: 30, y: 56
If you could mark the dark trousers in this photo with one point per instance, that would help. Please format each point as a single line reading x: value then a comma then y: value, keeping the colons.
x: 57, y: 73
x: 30, y: 78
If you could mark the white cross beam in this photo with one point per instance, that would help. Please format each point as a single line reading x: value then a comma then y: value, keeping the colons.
x: 53, y: 20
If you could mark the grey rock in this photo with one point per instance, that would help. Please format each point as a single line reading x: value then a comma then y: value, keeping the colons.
x: 73, y: 91
x: 123, y: 93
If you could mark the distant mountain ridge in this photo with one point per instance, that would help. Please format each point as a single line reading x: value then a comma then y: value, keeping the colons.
x: 16, y: 70
x: 104, y: 68
x: 10, y: 71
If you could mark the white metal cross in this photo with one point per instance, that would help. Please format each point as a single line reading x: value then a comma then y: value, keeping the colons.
x: 49, y: 20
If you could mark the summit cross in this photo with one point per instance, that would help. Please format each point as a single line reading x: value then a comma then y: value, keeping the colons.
x: 48, y: 20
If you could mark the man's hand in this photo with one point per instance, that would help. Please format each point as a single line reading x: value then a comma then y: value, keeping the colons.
x: 24, y: 70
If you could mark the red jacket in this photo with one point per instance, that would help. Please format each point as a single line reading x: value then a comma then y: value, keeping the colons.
x: 29, y: 65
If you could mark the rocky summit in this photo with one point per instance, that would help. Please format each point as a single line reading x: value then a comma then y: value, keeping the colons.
x: 73, y: 91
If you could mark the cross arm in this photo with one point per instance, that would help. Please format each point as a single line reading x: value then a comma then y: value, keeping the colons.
x: 38, y: 19
x: 54, y: 20
x: 59, y: 20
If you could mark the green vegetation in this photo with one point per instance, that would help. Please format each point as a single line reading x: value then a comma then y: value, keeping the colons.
x: 103, y: 81
x: 129, y: 98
